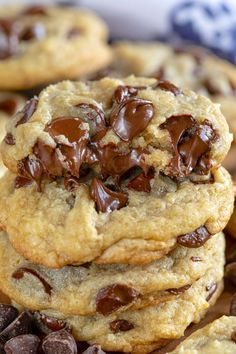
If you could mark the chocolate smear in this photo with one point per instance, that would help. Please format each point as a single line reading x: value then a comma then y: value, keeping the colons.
x: 194, y: 239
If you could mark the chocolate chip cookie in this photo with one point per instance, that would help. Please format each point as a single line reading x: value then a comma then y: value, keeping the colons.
x: 76, y: 290
x: 98, y: 153
x: 41, y: 44
x: 217, y: 337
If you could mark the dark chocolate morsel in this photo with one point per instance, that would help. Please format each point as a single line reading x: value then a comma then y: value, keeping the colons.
x: 21, y: 182
x: 23, y: 344
x: 211, y: 288
x: 30, y: 169
x: 94, y: 349
x: 60, y: 342
x: 232, y: 310
x: 130, y: 117
x: 9, y: 139
x: 194, y: 239
x: 7, y: 315
x: 196, y: 259
x: 34, y: 10
x: 21, y: 325
x: 141, y: 183
x: 8, y: 105
x: 36, y: 31
x: 94, y: 116
x: 177, y: 291
x: 20, y: 272
x: 121, y: 326
x: 168, y: 86
x: 105, y: 199
x: 52, y: 323
x: 123, y: 92
x: 28, y: 111
x: 112, y: 297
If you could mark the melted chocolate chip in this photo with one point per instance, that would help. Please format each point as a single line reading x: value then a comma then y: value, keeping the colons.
x: 177, y: 291
x: 191, y: 142
x: 130, y: 117
x: 8, y: 314
x: 232, y: 310
x: 123, y: 92
x: 94, y: 349
x: 60, y: 342
x: 94, y: 116
x: 23, y: 344
x: 19, y: 274
x: 52, y: 323
x: 141, y: 183
x: 8, y: 106
x: 194, y: 239
x: 121, y: 326
x: 28, y: 169
x: 168, y: 86
x: 9, y: 139
x: 196, y: 259
x: 36, y: 31
x: 28, y: 111
x: 35, y: 10
x: 73, y: 32
x: 21, y: 182
x: 21, y: 325
x: 112, y: 297
x: 212, y: 289
x: 71, y: 183
x: 105, y: 199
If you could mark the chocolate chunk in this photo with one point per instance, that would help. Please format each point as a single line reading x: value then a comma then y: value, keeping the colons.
x: 105, y: 199
x: 21, y: 182
x: 23, y: 344
x: 190, y: 140
x: 36, y: 31
x: 141, y: 183
x: 232, y: 310
x: 115, y: 163
x: 35, y: 10
x: 177, y: 291
x: 73, y: 32
x: 21, y: 325
x: 212, y: 289
x: 9, y: 30
x: 49, y: 159
x: 196, y: 259
x: 28, y: 111
x: 131, y: 117
x: 7, y: 315
x: 60, y: 342
x: 52, y: 323
x: 94, y: 349
x: 194, y: 239
x: 9, y: 139
x: 20, y: 272
x: 29, y: 169
x: 8, y: 106
x: 71, y: 183
x: 123, y: 92
x: 168, y: 86
x: 121, y: 326
x: 112, y: 297
x: 94, y: 116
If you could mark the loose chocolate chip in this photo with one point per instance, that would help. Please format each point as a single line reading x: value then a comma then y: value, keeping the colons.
x: 177, y: 291
x: 9, y: 139
x: 105, y: 199
x: 36, y: 31
x: 112, y: 297
x: 141, y: 183
x: 123, y: 92
x: 212, y: 289
x: 21, y: 182
x: 191, y: 142
x: 7, y: 315
x: 35, y: 10
x: 131, y: 117
x: 20, y: 272
x: 73, y: 32
x: 23, y: 344
x: 121, y: 326
x: 194, y: 239
x: 232, y: 310
x: 52, y: 323
x: 8, y: 106
x: 115, y: 163
x: 21, y: 325
x: 60, y: 342
x: 94, y: 349
x: 168, y: 86
x: 28, y: 111
x: 94, y: 116
x: 196, y: 259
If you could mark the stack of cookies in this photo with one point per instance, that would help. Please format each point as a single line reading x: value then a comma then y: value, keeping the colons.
x: 112, y: 209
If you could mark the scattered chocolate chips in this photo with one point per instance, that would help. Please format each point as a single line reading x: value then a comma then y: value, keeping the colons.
x: 8, y: 106
x: 23, y: 344
x: 52, y: 323
x: 8, y: 314
x: 9, y: 139
x: 168, y: 86
x: 177, y: 291
x: 60, y: 342
x: 28, y: 111
x: 130, y: 117
x: 35, y: 10
x: 112, y: 297
x: 196, y: 259
x: 19, y: 274
x: 105, y: 199
x: 121, y: 326
x: 191, y: 142
x: 212, y: 289
x: 194, y: 239
x: 73, y: 32
x: 94, y: 349
x: 232, y: 310
x: 21, y: 325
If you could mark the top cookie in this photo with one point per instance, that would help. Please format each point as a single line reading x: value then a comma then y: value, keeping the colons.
x: 44, y: 44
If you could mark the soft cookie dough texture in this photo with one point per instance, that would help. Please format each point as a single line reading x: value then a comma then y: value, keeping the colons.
x: 149, y: 220
x: 47, y: 44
